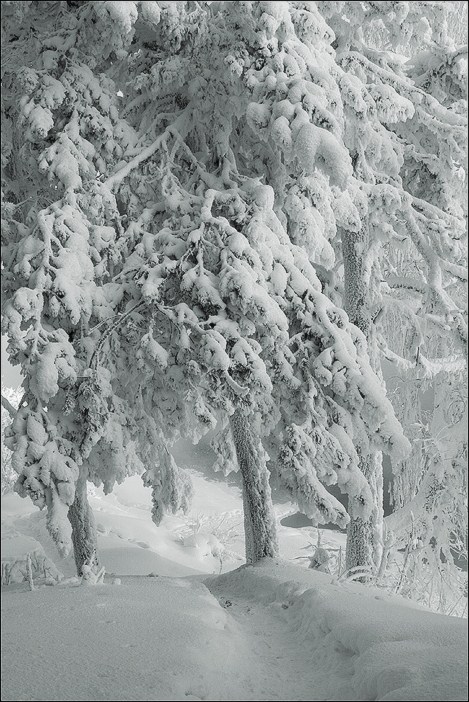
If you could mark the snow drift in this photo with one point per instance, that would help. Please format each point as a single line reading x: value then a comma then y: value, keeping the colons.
x: 375, y: 646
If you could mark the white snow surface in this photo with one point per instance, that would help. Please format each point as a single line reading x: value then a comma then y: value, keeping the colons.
x: 275, y: 631
x: 354, y: 642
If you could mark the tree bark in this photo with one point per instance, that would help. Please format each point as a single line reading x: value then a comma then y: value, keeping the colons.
x: 259, y: 518
x: 364, y: 536
x: 84, y: 536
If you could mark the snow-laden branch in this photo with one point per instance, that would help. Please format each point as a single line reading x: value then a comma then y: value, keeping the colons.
x: 146, y: 153
x: 9, y: 407
x: 402, y: 85
x: 400, y: 521
x: 133, y: 163
x: 450, y: 364
x: 427, y: 209
x: 456, y: 270
x: 435, y: 282
x: 111, y: 329
x: 395, y: 281
x: 399, y: 361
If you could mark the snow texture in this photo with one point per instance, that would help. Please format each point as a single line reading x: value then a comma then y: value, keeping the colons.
x: 285, y: 631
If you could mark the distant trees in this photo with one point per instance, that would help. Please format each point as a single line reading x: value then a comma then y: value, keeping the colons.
x: 214, y: 246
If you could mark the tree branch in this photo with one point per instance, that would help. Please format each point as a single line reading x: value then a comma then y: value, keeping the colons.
x: 134, y: 162
x: 9, y: 407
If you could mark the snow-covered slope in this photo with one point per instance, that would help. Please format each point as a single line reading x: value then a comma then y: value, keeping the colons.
x: 274, y: 631
x: 147, y: 639
x: 362, y: 645
x: 210, y: 539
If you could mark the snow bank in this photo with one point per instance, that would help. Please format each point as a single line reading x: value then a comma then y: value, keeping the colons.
x: 371, y: 646
x: 147, y: 639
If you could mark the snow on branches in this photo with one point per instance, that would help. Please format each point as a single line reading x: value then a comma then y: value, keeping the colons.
x: 174, y: 218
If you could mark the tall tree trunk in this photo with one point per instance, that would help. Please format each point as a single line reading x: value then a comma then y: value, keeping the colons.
x: 81, y: 517
x: 364, y: 536
x: 259, y: 518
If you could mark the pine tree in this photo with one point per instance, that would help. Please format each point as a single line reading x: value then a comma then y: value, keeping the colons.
x: 234, y: 310
x: 408, y: 130
x: 438, y: 483
x: 315, y: 115
x: 61, y: 234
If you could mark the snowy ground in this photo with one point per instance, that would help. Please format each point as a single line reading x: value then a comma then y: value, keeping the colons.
x: 277, y: 631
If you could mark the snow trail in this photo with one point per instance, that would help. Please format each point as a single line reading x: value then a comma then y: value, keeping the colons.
x: 342, y: 641
x: 281, y: 667
x: 267, y: 632
x: 152, y: 639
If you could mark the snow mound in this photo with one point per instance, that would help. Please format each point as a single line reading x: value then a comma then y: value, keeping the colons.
x: 380, y: 647
x: 149, y: 639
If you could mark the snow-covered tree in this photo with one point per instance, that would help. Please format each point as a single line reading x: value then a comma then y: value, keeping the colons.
x: 10, y: 402
x: 407, y: 129
x: 432, y: 483
x: 235, y: 327
x: 61, y: 133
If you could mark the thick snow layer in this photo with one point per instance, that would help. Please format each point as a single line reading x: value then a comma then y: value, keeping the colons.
x: 365, y: 645
x: 146, y: 639
x: 273, y: 631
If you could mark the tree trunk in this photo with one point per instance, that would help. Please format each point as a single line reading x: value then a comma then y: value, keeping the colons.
x: 259, y: 518
x: 364, y: 536
x: 84, y: 537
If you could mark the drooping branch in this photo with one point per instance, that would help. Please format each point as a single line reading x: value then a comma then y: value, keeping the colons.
x: 9, y: 407
x: 144, y: 155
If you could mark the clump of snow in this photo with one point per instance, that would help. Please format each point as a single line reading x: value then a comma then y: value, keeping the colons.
x: 315, y: 147
x: 150, y: 12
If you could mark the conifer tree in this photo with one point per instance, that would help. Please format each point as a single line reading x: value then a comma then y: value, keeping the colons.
x: 231, y: 304
x: 408, y: 130
x: 62, y: 133
x: 158, y: 280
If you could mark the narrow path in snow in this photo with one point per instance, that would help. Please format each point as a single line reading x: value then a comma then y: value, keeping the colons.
x: 280, y: 666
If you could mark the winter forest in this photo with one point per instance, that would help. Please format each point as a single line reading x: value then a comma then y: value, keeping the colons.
x: 234, y: 337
